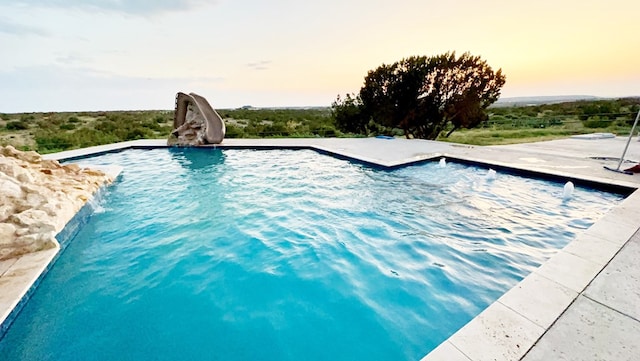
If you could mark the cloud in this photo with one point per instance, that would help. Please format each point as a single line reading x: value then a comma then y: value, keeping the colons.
x: 259, y: 65
x: 132, y: 7
x: 59, y: 88
x: 73, y: 59
x: 7, y: 27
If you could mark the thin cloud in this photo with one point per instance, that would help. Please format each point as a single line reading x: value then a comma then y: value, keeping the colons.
x: 7, y: 27
x: 132, y: 7
x: 259, y: 65
x: 44, y: 75
x: 73, y: 59
x: 60, y: 88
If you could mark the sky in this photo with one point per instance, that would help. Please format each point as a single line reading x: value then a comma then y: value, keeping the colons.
x: 91, y: 55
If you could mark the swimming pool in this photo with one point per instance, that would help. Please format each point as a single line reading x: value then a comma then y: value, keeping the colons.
x: 238, y: 254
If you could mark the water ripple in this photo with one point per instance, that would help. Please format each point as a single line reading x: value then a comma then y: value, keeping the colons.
x: 277, y: 255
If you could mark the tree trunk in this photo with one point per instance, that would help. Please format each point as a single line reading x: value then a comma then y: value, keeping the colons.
x: 451, y: 131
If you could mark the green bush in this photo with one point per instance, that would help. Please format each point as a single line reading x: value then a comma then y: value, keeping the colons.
x: 73, y: 120
x: 67, y: 126
x: 56, y: 119
x: 324, y: 131
x: 17, y: 125
x: 162, y: 119
x: 596, y: 122
x: 234, y: 131
x: 105, y: 126
x: 136, y: 133
x: 53, y: 143
x: 165, y: 130
x: 276, y: 130
x: 27, y: 117
x: 152, y: 125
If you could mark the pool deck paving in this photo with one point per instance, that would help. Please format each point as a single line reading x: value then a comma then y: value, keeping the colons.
x: 582, y: 304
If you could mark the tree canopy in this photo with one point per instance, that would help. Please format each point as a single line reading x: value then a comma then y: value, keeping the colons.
x: 422, y: 96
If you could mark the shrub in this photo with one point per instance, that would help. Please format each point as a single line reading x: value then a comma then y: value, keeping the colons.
x: 67, y: 126
x: 53, y: 143
x: 324, y: 131
x: 105, y: 126
x: 234, y: 131
x: 276, y: 130
x: 152, y: 125
x: 596, y: 122
x: 54, y: 120
x: 165, y: 130
x: 17, y: 125
x: 136, y: 133
x: 161, y: 119
x: 27, y: 117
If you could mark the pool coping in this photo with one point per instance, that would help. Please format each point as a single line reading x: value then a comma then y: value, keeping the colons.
x: 24, y: 273
x: 509, y: 327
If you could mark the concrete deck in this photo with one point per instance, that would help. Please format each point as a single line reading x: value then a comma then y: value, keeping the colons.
x: 583, y: 304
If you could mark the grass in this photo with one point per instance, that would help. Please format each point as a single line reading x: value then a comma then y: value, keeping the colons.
x: 525, y: 124
x: 497, y: 136
x: 506, y: 136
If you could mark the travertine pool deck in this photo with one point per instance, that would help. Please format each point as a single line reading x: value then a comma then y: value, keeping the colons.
x: 582, y: 304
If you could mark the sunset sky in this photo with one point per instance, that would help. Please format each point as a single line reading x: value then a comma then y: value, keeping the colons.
x: 59, y: 55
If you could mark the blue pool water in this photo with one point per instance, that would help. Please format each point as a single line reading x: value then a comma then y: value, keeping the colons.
x: 202, y: 254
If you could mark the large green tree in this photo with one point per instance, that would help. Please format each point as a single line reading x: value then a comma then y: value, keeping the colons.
x: 423, y: 95
x: 347, y: 113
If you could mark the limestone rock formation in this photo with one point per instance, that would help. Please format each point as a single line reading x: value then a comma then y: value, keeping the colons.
x: 195, y: 122
x: 37, y: 199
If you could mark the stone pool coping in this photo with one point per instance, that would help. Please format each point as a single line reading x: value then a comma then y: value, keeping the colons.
x: 20, y: 276
x: 523, y: 323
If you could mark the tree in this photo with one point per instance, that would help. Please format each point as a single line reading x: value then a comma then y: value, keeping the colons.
x: 423, y: 95
x: 347, y: 114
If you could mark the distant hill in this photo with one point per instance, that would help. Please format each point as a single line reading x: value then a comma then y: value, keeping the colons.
x: 523, y: 101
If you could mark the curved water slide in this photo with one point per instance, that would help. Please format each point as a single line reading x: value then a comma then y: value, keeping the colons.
x: 214, y: 128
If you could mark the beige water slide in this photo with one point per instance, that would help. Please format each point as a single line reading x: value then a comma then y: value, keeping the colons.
x: 195, y: 122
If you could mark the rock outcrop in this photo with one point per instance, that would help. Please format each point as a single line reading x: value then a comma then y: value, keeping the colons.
x: 195, y: 122
x: 37, y: 199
